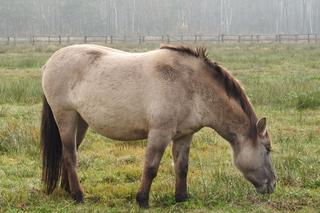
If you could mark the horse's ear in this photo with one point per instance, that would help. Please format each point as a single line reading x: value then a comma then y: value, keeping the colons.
x: 262, y: 126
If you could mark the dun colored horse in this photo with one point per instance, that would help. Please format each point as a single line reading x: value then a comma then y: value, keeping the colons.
x: 163, y: 95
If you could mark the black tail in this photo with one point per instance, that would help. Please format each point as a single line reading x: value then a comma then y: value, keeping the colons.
x: 51, y: 149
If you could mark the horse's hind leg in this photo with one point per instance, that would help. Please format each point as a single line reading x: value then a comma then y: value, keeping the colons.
x: 82, y: 127
x: 67, y: 123
x: 180, y: 152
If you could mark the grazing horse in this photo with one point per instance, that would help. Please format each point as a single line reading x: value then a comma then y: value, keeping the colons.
x: 163, y: 95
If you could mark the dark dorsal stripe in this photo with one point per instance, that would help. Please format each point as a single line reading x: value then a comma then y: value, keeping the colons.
x: 230, y: 84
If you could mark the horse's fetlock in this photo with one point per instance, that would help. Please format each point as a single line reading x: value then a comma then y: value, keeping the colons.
x: 78, y: 197
x: 181, y: 197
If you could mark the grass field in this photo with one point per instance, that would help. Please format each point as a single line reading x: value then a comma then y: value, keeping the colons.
x: 283, y: 83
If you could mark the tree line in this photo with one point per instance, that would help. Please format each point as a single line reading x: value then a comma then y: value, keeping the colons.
x: 158, y: 17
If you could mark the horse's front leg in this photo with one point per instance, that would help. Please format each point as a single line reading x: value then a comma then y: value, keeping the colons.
x: 180, y: 152
x: 158, y: 140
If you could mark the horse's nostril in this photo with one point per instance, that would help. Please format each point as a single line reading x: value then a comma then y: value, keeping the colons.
x: 275, y: 177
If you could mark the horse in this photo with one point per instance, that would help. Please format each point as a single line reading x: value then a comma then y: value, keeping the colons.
x: 164, y: 95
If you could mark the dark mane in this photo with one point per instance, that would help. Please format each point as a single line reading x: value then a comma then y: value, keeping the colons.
x: 230, y: 84
x: 199, y: 52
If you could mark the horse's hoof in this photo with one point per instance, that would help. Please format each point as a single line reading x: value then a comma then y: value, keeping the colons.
x: 181, y: 198
x: 143, y: 200
x: 144, y: 205
x: 78, y: 197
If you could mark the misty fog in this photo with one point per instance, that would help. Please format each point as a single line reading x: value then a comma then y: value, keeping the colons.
x: 155, y: 17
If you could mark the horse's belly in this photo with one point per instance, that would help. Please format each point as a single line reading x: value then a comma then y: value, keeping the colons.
x: 118, y: 130
x: 116, y: 121
x: 124, y: 135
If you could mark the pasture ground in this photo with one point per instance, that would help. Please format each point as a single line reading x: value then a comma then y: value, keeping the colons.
x: 283, y: 83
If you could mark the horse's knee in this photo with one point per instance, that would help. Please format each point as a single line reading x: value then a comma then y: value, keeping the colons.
x: 68, y: 162
x: 151, y: 172
x: 69, y: 155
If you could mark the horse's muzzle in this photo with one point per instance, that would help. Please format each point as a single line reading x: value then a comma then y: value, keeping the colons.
x: 267, y: 188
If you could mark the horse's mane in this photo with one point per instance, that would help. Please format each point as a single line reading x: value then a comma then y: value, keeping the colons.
x: 230, y: 84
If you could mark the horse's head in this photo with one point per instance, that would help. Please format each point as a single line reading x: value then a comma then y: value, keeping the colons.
x: 253, y: 159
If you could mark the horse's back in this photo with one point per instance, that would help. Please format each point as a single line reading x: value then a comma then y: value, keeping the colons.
x: 72, y: 66
x: 115, y: 92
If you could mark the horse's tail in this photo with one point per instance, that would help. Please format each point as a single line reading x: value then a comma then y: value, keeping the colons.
x: 51, y: 148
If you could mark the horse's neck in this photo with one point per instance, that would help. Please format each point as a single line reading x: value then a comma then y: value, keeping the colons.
x: 226, y: 116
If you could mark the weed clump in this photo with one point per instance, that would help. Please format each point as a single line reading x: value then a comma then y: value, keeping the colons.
x: 308, y: 100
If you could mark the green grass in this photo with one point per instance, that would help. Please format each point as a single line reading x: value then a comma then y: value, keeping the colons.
x: 283, y: 83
